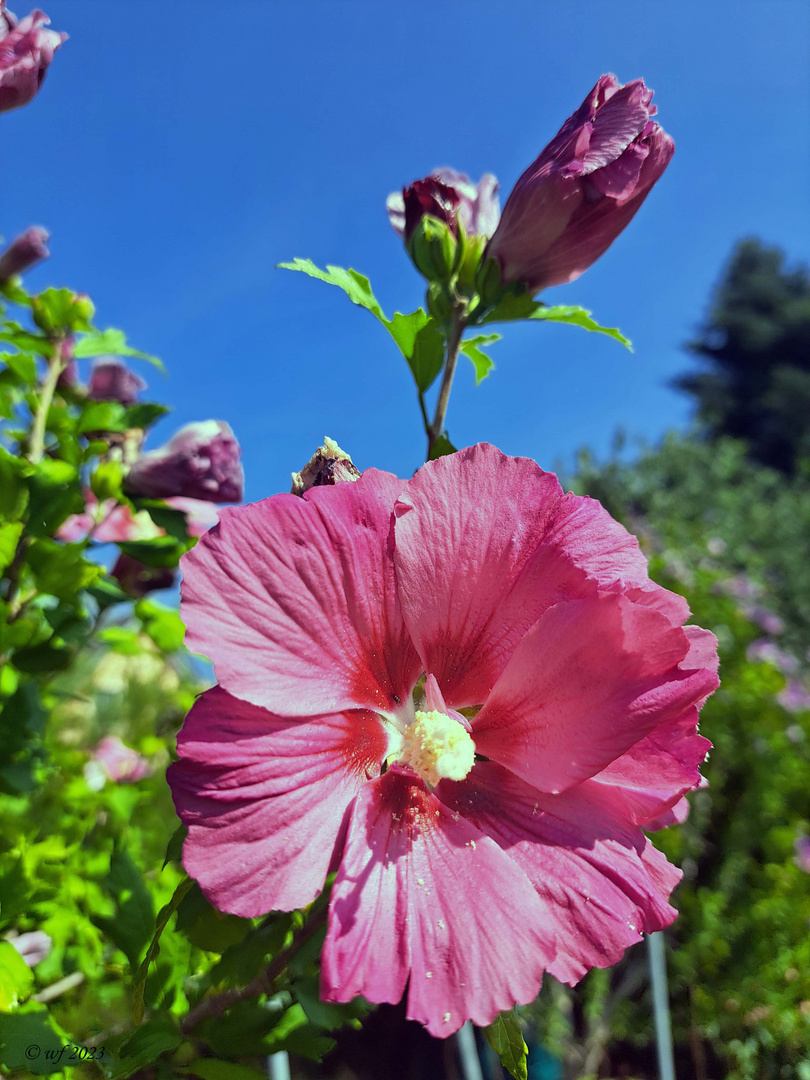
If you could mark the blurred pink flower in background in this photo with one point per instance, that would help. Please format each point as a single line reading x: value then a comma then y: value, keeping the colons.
x: 449, y: 196
x: 25, y: 251
x: 26, y: 50
x: 801, y: 848
x: 795, y: 697
x: 765, y: 650
x: 33, y: 946
x: 584, y: 188
x: 112, y: 380
x: 473, y: 849
x: 113, y: 760
x: 200, y: 461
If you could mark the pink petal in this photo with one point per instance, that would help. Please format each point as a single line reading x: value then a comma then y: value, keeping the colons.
x: 600, y: 881
x: 654, y: 775
x: 264, y: 799
x: 589, y: 680
x: 294, y: 601
x: 616, y: 124
x: 421, y: 894
x: 484, y: 544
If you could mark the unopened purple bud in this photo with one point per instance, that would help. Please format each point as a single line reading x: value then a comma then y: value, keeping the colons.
x: 573, y: 201
x: 201, y: 461
x: 329, y: 465
x: 26, y: 50
x: 137, y: 579
x: 33, y: 947
x: 112, y: 380
x: 25, y: 251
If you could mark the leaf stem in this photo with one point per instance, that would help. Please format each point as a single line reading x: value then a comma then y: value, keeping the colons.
x: 36, y: 443
x: 451, y: 360
x: 262, y: 984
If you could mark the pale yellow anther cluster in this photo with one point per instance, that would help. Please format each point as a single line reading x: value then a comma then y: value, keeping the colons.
x: 437, y: 747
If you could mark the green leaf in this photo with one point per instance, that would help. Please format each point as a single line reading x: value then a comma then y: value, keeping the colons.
x: 506, y: 1039
x: 156, y: 1037
x: 25, y: 341
x: 102, y: 416
x: 420, y: 343
x: 441, y: 448
x: 106, y: 591
x: 16, y: 977
x: 110, y: 343
x: 61, y: 569
x: 121, y: 639
x: 133, y: 925
x: 514, y: 304
x: 13, y: 489
x: 55, y: 494
x: 356, y: 287
x: 41, y: 658
x: 27, y: 1027
x: 174, y: 848
x: 579, y: 316
x: 206, y: 927
x: 9, y: 538
x: 152, y: 952
x: 105, y: 482
x: 144, y: 414
x: 162, y: 551
x: 216, y: 1069
x: 22, y: 364
x: 480, y: 361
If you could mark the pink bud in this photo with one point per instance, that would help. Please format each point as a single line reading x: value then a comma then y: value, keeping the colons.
x: 26, y: 50
x: 449, y: 196
x: 120, y: 762
x: 34, y: 946
x: 112, y: 380
x: 573, y: 201
x: 201, y: 461
x: 26, y: 250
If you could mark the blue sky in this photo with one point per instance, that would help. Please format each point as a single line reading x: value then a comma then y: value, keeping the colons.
x: 178, y: 151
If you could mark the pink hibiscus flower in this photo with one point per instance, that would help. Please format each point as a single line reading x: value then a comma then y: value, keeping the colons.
x: 490, y: 829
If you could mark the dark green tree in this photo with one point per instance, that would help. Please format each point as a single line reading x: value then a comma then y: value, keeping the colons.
x: 756, y: 344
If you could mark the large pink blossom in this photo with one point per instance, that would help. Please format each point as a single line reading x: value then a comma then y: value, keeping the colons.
x: 474, y: 849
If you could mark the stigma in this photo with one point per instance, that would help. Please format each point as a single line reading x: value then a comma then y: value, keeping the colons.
x: 437, y: 747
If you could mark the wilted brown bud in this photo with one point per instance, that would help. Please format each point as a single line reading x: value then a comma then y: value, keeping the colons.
x: 328, y: 465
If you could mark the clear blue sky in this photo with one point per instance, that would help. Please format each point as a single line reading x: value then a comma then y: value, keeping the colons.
x: 179, y: 150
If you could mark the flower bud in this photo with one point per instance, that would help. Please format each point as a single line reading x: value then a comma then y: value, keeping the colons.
x: 25, y: 251
x: 26, y: 50
x: 118, y: 762
x: 573, y: 201
x: 201, y: 461
x: 112, y: 380
x: 329, y: 465
x: 433, y: 249
x: 137, y: 579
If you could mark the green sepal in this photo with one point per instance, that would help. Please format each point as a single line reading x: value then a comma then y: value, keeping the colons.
x: 432, y: 248
x: 505, y: 1037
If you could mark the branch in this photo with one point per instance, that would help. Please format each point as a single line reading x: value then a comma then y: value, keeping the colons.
x: 453, y: 343
x: 262, y: 984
